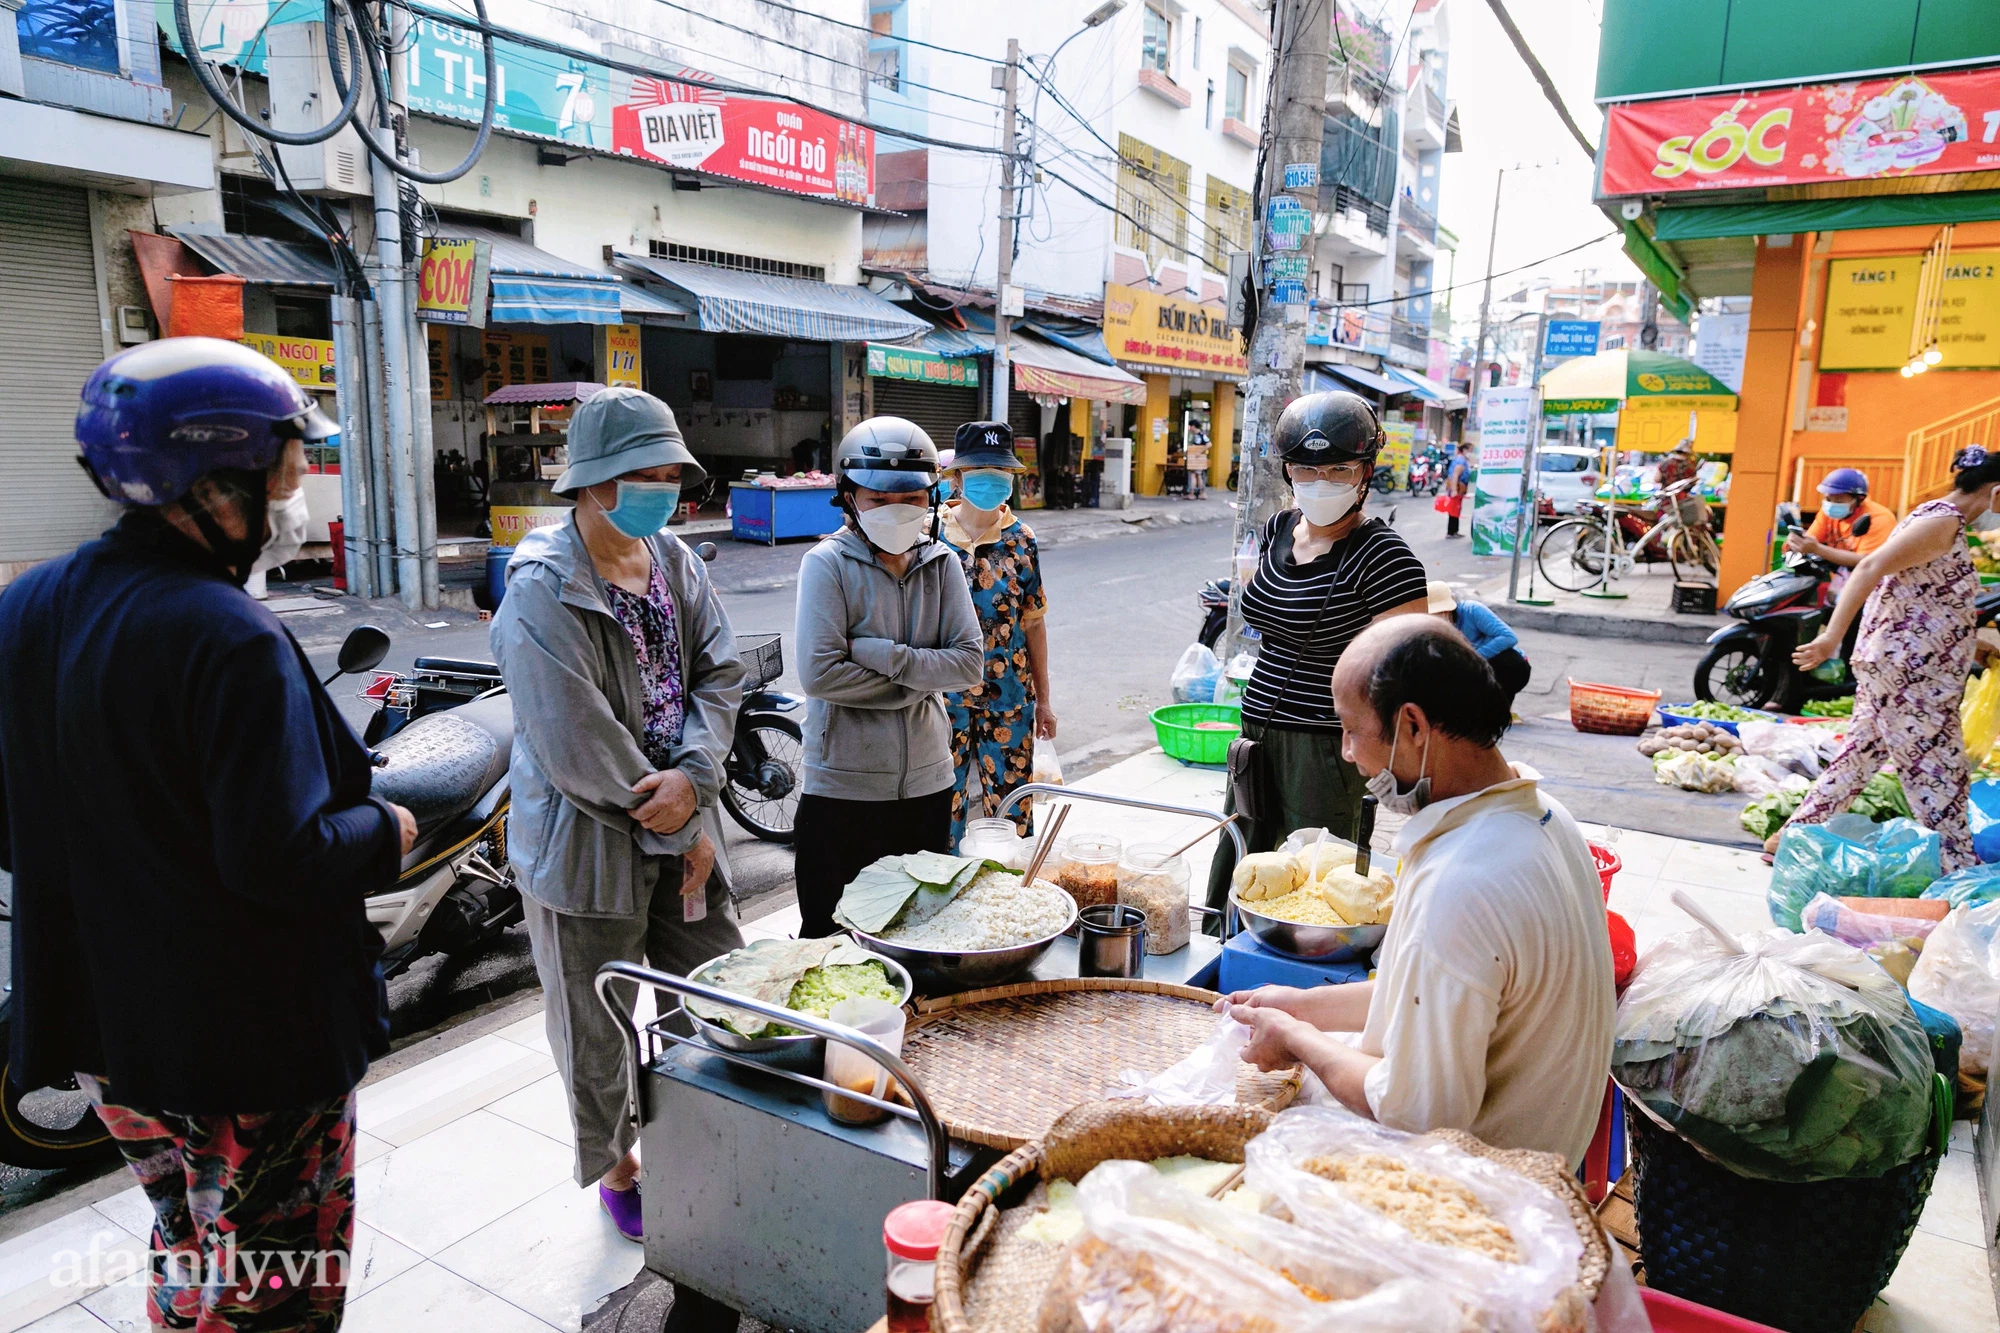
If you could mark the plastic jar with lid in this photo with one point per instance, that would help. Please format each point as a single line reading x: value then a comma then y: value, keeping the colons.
x: 1154, y: 879
x: 995, y: 840
x: 911, y: 1234
x: 1086, y: 868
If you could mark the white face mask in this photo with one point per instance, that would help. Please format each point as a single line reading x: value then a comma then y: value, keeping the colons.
x: 1325, y: 503
x: 894, y: 528
x: 287, y: 532
x: 1388, y: 792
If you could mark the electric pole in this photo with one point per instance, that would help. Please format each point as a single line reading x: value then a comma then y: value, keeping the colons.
x: 1486, y: 296
x: 1288, y: 196
x: 1005, y: 78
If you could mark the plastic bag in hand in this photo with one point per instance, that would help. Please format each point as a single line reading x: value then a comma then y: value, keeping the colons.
x: 1195, y: 675
x: 1797, y: 1060
x: 1850, y: 856
x: 1205, y: 1076
x: 1959, y: 972
x: 1156, y: 1257
x: 1795, y: 748
x: 1047, y: 768
x: 1535, y: 1293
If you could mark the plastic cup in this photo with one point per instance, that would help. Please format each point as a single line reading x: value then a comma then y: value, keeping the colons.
x: 850, y: 1069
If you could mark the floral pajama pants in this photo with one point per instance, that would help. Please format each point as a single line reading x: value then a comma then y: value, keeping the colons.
x: 1910, y: 721
x: 253, y: 1215
x: 1002, y: 742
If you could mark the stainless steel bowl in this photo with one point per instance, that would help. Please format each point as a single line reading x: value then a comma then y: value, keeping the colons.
x: 942, y: 971
x: 1319, y: 944
x: 801, y: 1053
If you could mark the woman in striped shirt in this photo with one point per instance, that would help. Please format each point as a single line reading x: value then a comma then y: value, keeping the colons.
x: 1325, y: 573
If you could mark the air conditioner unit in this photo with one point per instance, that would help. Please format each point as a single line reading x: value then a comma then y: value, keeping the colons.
x: 303, y: 98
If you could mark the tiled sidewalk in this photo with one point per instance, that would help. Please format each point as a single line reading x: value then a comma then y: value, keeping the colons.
x: 469, y: 1219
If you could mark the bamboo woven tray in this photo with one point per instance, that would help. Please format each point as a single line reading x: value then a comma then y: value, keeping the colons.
x: 1000, y: 1065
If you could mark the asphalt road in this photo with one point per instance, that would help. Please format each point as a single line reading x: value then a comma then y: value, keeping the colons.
x: 1121, y: 610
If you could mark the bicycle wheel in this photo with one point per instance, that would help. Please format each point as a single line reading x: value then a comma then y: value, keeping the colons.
x: 1572, y: 555
x: 1694, y: 556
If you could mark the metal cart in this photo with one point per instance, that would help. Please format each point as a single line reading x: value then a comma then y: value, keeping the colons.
x: 753, y: 1196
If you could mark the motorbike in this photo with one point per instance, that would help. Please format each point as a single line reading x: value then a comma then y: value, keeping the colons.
x: 1214, y: 598
x: 761, y: 776
x: 1383, y: 479
x: 1427, y: 473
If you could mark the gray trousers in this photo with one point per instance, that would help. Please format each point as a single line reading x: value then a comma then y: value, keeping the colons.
x: 588, y: 1045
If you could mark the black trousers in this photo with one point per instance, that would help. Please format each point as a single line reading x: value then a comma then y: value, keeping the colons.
x: 834, y: 840
x: 1451, y: 525
x: 1309, y: 786
x: 1511, y: 670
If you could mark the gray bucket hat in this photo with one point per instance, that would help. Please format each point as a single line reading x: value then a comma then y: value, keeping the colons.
x: 619, y: 431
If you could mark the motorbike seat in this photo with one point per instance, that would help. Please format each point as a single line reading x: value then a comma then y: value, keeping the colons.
x: 457, y: 666
x: 441, y: 764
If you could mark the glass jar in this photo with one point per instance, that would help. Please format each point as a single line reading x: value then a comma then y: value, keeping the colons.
x: 911, y: 1234
x: 996, y: 840
x: 1086, y: 868
x: 1154, y: 879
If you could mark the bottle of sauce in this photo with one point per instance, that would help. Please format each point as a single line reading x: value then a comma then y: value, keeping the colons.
x: 911, y: 1234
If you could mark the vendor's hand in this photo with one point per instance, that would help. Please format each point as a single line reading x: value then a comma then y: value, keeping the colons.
x: 696, y: 863
x: 1045, y: 721
x: 406, y: 827
x: 671, y: 801
x: 1271, y: 1032
x: 1809, y: 655
x: 1283, y: 998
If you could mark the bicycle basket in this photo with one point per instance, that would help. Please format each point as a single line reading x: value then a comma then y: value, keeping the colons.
x: 763, y: 658
x: 1694, y: 512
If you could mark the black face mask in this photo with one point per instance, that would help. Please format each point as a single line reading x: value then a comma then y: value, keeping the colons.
x: 247, y: 488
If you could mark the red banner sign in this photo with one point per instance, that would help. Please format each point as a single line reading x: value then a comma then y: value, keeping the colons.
x: 1870, y: 129
x: 780, y: 144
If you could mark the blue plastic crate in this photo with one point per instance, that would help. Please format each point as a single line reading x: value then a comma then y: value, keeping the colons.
x: 1246, y: 964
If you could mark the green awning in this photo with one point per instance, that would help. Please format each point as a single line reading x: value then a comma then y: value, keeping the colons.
x: 1879, y: 210
x: 1603, y: 382
x: 1657, y: 267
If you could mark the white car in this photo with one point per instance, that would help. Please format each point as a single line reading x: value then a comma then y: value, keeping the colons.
x: 1567, y: 475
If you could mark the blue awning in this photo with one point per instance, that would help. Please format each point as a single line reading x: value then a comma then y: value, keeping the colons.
x: 518, y: 300
x: 1320, y: 378
x: 1429, y: 389
x: 731, y: 301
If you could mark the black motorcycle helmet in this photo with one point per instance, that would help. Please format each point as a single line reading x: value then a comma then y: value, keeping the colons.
x: 1323, y: 428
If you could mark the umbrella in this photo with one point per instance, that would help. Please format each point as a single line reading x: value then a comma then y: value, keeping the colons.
x: 1610, y: 380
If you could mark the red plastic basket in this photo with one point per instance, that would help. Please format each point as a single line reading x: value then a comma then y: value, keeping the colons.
x: 1608, y: 865
x: 1671, y: 1314
x: 1610, y: 710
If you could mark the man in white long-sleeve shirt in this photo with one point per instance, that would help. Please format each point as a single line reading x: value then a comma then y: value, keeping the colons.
x: 1491, y: 1008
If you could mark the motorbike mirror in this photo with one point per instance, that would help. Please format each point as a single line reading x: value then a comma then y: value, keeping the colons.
x: 706, y: 550
x: 1862, y: 524
x: 363, y: 650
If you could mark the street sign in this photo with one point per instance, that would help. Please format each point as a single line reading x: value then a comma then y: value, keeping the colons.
x: 1571, y: 337
x: 1288, y: 291
x: 1301, y: 175
x: 1279, y: 268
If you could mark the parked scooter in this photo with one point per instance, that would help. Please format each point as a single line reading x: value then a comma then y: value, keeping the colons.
x: 1214, y: 597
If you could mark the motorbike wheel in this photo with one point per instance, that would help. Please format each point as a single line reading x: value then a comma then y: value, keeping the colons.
x: 48, y: 1129
x: 1212, y: 626
x: 1734, y: 673
x: 1572, y: 555
x: 1384, y: 479
x: 764, y: 774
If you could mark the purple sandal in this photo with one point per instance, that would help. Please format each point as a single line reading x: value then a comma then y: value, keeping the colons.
x: 622, y: 1207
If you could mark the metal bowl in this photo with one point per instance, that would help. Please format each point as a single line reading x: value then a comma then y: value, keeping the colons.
x: 803, y: 1052
x: 1319, y: 944
x: 944, y: 971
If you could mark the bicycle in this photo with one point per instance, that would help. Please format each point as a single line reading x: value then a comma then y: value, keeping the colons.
x: 1580, y: 553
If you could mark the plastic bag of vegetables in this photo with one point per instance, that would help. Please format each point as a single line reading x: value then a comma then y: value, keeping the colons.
x: 1959, y: 973
x: 1691, y: 770
x: 1798, y: 1059
x: 1850, y: 856
x: 1767, y: 814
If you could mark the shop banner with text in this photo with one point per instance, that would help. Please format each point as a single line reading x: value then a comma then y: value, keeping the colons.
x: 1398, y: 438
x: 1506, y: 415
x: 307, y: 360
x: 1866, y: 129
x: 1147, y: 329
x: 451, y: 282
x: 908, y: 363
x: 1871, y: 305
x: 779, y: 144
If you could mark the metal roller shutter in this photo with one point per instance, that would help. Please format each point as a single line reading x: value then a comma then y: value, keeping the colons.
x: 939, y: 408
x: 48, y: 305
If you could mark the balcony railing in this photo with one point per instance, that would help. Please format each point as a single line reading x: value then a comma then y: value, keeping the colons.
x: 1419, y: 221
x: 1409, y: 333
x: 1345, y: 197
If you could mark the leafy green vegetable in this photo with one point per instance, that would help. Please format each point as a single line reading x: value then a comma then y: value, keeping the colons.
x: 921, y: 882
x: 1882, y: 799
x: 830, y: 983
x: 1714, y: 712
x: 1767, y: 814
x: 1829, y: 707
x: 763, y: 970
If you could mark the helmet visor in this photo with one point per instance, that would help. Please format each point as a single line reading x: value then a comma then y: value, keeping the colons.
x: 312, y: 424
x: 891, y: 481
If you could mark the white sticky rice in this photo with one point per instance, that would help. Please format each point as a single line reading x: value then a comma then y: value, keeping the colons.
x: 992, y: 912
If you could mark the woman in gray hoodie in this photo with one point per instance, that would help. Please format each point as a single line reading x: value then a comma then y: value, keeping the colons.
x: 886, y: 627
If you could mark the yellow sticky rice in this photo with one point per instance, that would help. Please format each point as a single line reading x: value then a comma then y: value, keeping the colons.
x: 1306, y: 906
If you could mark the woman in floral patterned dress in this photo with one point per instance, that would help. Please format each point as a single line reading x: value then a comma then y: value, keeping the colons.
x: 1910, y: 662
x: 994, y: 724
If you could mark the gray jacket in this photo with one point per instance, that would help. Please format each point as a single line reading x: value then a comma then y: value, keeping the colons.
x: 579, y: 710
x: 875, y: 654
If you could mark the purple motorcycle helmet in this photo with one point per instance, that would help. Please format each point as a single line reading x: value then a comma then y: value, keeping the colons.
x: 1845, y: 481
x: 164, y: 413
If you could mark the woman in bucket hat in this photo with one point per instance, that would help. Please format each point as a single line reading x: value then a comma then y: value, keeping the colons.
x: 625, y: 679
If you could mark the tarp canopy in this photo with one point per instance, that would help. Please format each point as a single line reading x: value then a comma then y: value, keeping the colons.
x: 532, y: 286
x: 1044, y: 368
x: 1429, y: 389
x: 728, y: 300
x: 260, y: 260
x: 1321, y: 378
x: 1609, y: 380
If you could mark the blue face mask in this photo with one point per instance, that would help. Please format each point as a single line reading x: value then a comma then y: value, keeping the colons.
x: 643, y: 507
x: 986, y: 490
x: 1836, y: 512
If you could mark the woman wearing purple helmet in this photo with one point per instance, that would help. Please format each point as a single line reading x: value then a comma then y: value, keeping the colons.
x: 187, y: 820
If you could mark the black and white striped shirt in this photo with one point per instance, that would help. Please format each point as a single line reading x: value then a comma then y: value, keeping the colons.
x: 1367, y: 572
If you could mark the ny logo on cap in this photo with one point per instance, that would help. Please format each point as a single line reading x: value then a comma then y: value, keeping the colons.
x: 993, y: 439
